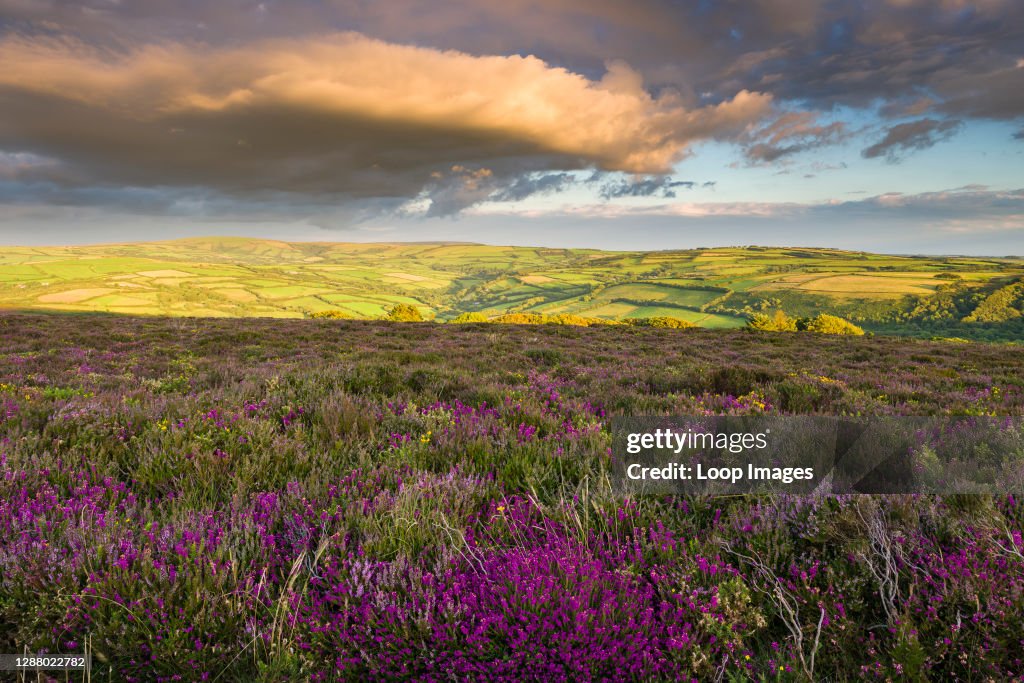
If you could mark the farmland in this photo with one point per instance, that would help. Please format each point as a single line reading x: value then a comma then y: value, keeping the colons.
x: 265, y: 500
x: 714, y: 288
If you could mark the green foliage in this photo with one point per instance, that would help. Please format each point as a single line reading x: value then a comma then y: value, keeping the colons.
x: 577, y: 320
x: 909, y: 655
x: 823, y: 323
x: 830, y: 324
x: 777, y: 322
x: 1004, y: 304
x: 471, y: 317
x: 661, y: 321
x: 950, y: 302
x: 544, y: 356
x: 539, y: 319
x: 519, y: 319
x: 333, y: 314
x: 405, y: 313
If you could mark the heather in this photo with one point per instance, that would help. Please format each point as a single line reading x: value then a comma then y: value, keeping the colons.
x: 242, y: 500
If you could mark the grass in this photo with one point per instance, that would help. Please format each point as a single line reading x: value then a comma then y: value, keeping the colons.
x: 270, y: 278
x: 870, y: 285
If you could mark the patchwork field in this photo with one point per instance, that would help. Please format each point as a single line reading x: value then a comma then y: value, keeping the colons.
x: 719, y: 287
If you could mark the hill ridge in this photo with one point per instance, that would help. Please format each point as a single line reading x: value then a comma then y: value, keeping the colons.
x: 712, y: 287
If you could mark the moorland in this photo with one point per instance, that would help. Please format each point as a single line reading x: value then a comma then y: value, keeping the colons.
x: 266, y: 500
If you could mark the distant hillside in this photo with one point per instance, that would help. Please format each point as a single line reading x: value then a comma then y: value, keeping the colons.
x: 721, y: 287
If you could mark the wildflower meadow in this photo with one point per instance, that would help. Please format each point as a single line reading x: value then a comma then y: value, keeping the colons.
x: 340, y: 500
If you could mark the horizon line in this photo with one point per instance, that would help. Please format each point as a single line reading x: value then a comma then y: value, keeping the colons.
x: 1014, y: 257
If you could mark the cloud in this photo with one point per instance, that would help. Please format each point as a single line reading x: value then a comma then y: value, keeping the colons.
x: 905, y: 107
x: 534, y: 184
x: 650, y: 186
x: 460, y: 188
x: 976, y: 203
x: 791, y: 133
x: 977, y: 206
x: 910, y: 136
x: 957, y: 58
x: 238, y: 105
x: 810, y: 53
x: 341, y: 115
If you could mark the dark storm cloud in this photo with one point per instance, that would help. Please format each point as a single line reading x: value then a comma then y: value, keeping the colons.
x: 963, y: 55
x: 914, y: 135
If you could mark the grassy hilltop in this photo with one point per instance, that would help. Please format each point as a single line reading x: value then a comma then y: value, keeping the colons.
x: 715, y: 288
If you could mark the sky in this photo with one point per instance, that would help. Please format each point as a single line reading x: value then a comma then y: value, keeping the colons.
x: 882, y: 125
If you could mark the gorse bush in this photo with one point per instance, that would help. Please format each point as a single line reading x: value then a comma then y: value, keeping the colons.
x: 823, y: 323
x: 830, y: 324
x: 332, y: 315
x: 520, y: 319
x: 473, y: 317
x: 540, y: 319
x: 776, y: 322
x: 577, y: 320
x: 405, y: 313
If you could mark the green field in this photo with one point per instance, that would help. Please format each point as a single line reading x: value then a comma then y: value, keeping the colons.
x: 718, y: 287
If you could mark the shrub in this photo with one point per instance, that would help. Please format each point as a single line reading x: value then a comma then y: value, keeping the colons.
x: 332, y: 314
x: 777, y: 322
x: 577, y: 320
x: 540, y: 319
x: 830, y: 324
x: 472, y: 317
x: 519, y: 319
x: 662, y: 321
x: 405, y: 313
x: 544, y: 356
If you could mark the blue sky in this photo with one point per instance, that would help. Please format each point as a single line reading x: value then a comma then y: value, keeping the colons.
x: 884, y: 125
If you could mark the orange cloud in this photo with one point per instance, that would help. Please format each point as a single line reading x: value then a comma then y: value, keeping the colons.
x: 343, y: 105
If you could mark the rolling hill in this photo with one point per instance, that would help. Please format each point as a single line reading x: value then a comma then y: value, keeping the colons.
x: 718, y: 288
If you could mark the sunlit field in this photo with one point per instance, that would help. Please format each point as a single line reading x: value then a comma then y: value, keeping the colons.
x: 974, y: 298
